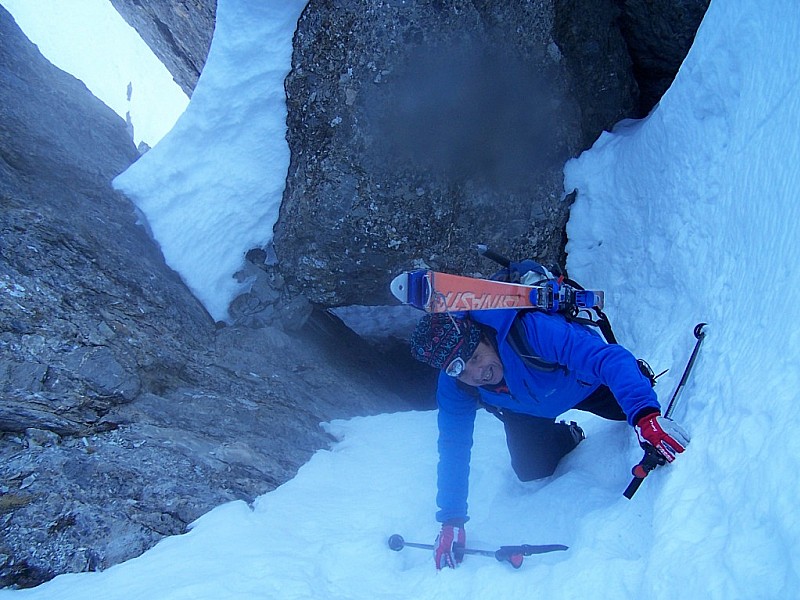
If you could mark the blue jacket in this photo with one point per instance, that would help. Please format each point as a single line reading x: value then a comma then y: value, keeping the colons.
x: 589, y: 361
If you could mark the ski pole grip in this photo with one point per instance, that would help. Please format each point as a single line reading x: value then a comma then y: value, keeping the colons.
x: 501, y: 260
x: 652, y: 458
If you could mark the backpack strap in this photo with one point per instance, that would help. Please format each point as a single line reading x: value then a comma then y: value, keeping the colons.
x: 601, y: 322
x: 519, y: 344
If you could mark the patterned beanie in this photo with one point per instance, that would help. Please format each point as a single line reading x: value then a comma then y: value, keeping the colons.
x: 440, y: 338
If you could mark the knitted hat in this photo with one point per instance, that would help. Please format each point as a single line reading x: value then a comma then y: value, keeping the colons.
x: 441, y: 338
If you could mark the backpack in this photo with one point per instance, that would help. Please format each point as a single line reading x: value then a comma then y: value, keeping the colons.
x: 530, y: 272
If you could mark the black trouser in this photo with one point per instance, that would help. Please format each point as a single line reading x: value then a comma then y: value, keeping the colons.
x: 537, y: 444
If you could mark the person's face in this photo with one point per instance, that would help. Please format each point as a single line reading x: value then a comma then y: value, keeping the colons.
x: 483, y: 367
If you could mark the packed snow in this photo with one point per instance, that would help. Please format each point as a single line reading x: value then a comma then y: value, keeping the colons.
x: 212, y: 188
x: 688, y: 215
x: 91, y: 41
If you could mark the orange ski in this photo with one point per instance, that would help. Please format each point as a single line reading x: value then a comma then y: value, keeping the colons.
x: 436, y: 292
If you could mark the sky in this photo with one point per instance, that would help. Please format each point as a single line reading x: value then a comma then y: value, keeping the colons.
x: 685, y: 216
x: 91, y: 41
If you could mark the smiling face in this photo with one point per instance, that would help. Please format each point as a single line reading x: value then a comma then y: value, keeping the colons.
x: 483, y: 367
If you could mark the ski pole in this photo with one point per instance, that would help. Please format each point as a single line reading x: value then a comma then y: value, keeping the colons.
x: 699, y: 335
x: 652, y: 457
x: 511, y: 554
x: 501, y: 260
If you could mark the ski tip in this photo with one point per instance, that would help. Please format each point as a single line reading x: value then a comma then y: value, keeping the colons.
x: 399, y: 287
x: 700, y: 330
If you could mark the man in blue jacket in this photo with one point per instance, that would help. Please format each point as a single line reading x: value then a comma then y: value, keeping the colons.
x: 527, y: 368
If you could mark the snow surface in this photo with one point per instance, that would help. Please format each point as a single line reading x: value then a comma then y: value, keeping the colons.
x: 689, y: 215
x: 91, y: 41
x: 212, y: 188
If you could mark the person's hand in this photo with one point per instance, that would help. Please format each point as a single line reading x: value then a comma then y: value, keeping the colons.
x: 449, y: 547
x: 664, y: 434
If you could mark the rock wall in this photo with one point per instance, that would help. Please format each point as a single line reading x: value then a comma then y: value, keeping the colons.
x: 124, y: 413
x: 419, y: 129
x: 659, y: 34
x: 178, y: 31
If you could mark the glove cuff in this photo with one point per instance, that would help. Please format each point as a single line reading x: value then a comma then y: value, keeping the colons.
x: 644, y: 414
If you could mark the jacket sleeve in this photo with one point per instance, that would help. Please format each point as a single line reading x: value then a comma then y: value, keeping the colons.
x: 456, y: 419
x: 592, y: 360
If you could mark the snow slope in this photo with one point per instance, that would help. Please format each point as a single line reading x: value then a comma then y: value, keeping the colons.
x: 702, y: 198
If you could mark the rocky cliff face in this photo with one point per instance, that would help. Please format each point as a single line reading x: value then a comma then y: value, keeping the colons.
x: 124, y: 413
x: 658, y: 34
x: 420, y: 129
x: 178, y: 31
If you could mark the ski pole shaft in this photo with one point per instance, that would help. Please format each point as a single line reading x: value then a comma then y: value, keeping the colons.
x: 512, y: 554
x: 632, y: 487
x: 700, y: 335
x: 652, y: 458
x: 462, y: 550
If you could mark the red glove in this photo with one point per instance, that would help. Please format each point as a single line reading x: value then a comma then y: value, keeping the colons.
x: 449, y: 547
x: 664, y: 434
